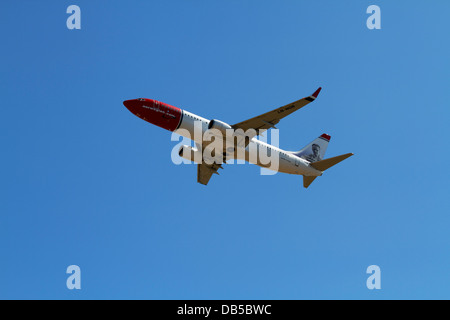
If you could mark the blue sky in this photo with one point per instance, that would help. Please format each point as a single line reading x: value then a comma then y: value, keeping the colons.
x: 85, y: 182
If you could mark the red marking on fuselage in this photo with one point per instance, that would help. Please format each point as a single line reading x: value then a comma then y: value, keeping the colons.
x: 158, y: 113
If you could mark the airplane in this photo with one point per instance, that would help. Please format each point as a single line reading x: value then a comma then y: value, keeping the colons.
x: 308, y: 162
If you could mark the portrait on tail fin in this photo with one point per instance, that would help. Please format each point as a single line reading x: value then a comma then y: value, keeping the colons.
x: 315, y: 151
x: 312, y: 156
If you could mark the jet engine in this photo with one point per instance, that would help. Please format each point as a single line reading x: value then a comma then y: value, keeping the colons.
x: 219, y: 125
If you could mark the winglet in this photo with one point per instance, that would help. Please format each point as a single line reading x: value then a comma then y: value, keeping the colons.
x: 313, y: 97
x: 315, y: 94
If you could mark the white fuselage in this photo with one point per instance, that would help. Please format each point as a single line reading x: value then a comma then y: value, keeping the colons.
x: 190, y: 125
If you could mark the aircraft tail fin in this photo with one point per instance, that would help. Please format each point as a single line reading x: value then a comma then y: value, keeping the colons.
x: 315, y: 151
x: 323, y: 165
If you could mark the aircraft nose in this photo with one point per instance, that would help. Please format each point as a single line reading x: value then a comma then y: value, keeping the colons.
x: 133, y: 106
x: 130, y: 104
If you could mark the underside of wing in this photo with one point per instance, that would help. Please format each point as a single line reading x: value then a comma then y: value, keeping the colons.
x: 270, y: 119
x: 205, y: 172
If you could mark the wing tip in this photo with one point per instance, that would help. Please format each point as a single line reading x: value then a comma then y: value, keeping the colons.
x: 315, y: 94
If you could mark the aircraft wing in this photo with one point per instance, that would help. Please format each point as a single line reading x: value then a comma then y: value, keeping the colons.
x: 260, y: 124
x: 270, y: 119
x: 205, y: 172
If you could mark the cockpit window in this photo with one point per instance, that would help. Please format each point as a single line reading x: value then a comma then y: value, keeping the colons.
x: 141, y: 99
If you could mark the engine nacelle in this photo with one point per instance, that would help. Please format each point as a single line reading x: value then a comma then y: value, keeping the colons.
x: 191, y: 154
x: 219, y: 125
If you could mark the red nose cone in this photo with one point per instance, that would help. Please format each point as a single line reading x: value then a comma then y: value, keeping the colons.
x: 155, y: 112
x: 130, y: 105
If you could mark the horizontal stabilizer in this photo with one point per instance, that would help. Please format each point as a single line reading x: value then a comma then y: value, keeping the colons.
x: 323, y: 165
x: 307, y: 181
